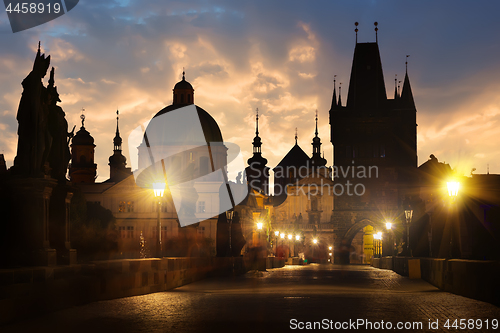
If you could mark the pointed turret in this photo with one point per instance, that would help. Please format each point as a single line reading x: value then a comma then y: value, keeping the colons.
x: 340, y: 95
x: 334, y: 98
x: 316, y: 159
x: 117, y: 162
x: 258, y: 172
x: 406, y: 95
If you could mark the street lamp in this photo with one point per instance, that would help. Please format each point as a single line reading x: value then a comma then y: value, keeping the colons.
x: 453, y: 188
x: 408, y: 216
x: 315, y: 241
x: 260, y: 225
x: 158, y: 190
x: 229, y: 217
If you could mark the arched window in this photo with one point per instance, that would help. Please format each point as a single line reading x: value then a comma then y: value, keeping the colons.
x: 314, y: 203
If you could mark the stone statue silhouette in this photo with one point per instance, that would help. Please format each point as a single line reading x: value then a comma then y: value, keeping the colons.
x: 59, y: 154
x: 32, y: 116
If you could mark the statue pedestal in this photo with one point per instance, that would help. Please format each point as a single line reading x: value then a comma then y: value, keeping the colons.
x: 27, y: 229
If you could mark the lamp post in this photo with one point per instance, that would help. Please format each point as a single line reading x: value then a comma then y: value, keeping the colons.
x: 229, y: 217
x: 408, y: 216
x: 158, y: 190
x: 453, y: 188
x: 388, y: 226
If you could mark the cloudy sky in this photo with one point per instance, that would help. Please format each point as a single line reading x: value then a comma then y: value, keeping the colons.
x: 279, y: 56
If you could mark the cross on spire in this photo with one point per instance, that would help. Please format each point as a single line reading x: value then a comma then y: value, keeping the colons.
x: 376, y: 31
x: 316, y: 132
x: 257, y: 122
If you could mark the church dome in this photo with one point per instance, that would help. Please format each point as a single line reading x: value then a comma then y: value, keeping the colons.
x: 210, y: 128
x: 182, y: 85
x: 83, y: 138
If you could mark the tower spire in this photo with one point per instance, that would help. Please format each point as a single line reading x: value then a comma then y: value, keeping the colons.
x: 316, y: 132
x: 257, y: 122
x: 406, y: 63
x: 396, y: 86
x: 334, y: 98
x: 296, y: 136
x: 340, y: 94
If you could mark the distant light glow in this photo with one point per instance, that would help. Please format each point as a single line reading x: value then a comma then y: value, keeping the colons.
x: 315, y: 241
x: 282, y: 235
x: 388, y: 225
x: 290, y: 236
x: 276, y: 233
x: 260, y: 225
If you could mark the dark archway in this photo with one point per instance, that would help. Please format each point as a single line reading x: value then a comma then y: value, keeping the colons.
x: 347, y: 238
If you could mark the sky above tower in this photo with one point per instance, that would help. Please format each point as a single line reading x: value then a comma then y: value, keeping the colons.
x: 279, y: 56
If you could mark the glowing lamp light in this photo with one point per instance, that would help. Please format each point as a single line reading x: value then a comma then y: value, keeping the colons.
x: 297, y: 237
x: 315, y: 241
x: 379, y: 234
x: 282, y: 236
x: 260, y: 225
x: 330, y: 254
x: 276, y: 233
x: 453, y: 188
x: 388, y: 225
x: 158, y: 189
x: 330, y: 248
x: 290, y: 236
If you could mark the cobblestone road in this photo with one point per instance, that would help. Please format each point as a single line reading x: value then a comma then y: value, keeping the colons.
x: 276, y: 301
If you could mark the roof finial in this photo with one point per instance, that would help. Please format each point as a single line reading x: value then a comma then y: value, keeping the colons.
x: 340, y: 94
x: 356, y: 30
x: 183, y: 74
x: 82, y: 117
x: 257, y: 122
x: 376, y: 32
x: 488, y: 168
x: 38, y: 47
x: 406, y: 63
x: 399, y: 85
x: 395, y: 86
x: 296, y: 136
x: 316, y: 132
x: 117, y: 117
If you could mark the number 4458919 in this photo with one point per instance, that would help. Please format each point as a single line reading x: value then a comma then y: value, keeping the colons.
x: 32, y: 7
x: 471, y: 324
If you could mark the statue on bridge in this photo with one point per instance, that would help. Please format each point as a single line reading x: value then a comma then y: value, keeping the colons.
x: 43, y: 130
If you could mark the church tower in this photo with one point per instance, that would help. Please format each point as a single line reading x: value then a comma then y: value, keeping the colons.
x: 117, y: 162
x: 82, y: 168
x: 257, y: 171
x: 374, y: 138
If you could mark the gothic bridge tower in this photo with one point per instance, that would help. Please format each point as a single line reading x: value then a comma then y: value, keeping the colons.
x: 376, y: 138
